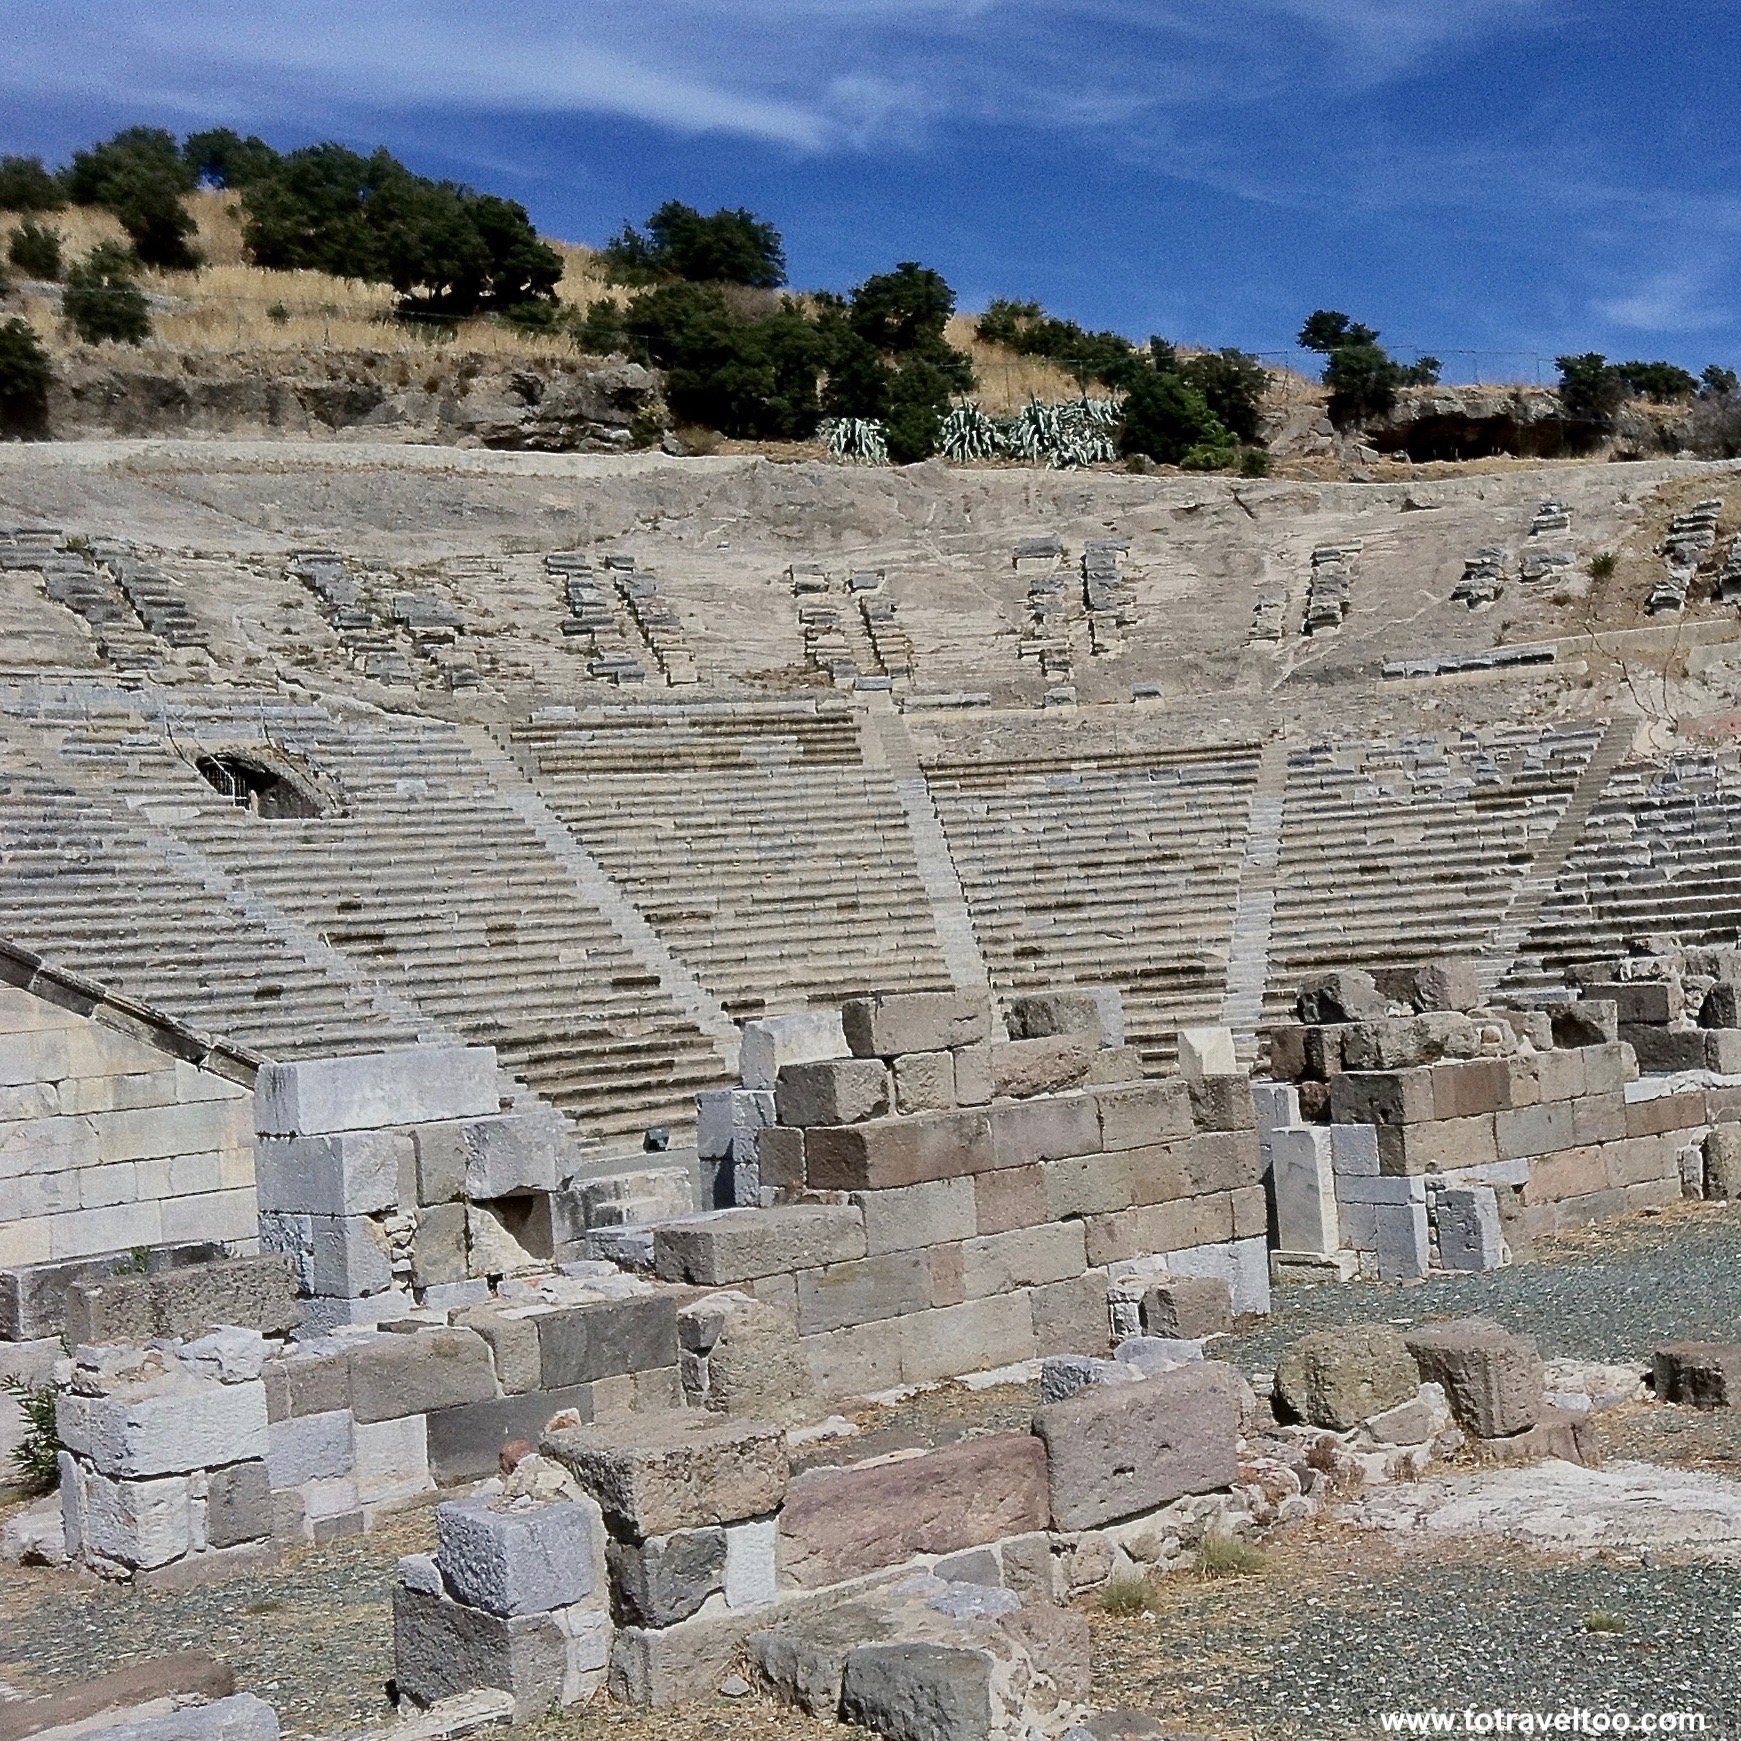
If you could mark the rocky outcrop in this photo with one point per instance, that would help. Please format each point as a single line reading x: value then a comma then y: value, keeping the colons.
x: 458, y: 398
x: 1433, y: 423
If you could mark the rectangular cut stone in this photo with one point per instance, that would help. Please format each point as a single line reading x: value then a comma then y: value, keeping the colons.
x: 972, y: 1337
x: 366, y: 1092
x: 910, y: 1216
x: 1116, y: 1450
x: 1072, y: 1317
x: 498, y: 1156
x: 1354, y: 1149
x: 1087, y: 1185
x: 925, y: 1081
x: 1382, y: 1096
x: 892, y: 1152
x: 1534, y: 1130
x: 309, y: 1448
x: 1004, y: 1262
x: 1050, y: 1065
x: 1444, y: 1145
x: 833, y: 1091
x: 863, y: 1291
x: 348, y: 1173
x: 735, y: 1245
x: 1148, y: 1112
x: 1207, y: 1052
x: 1023, y: 1132
x: 1223, y: 1103
x: 1654, y: 1002
x: 1161, y: 1228
x: 172, y: 1432
x: 889, y: 1023
x: 465, y: 1443
x: 1401, y: 1238
x: 581, y: 1343
x: 1010, y: 1197
x: 841, y: 1523
x: 1303, y: 1179
x: 1665, y: 1112
x: 724, y: 1115
x: 1467, y: 1090
x: 1470, y: 1237
x: 655, y: 1473
x: 772, y: 1042
x: 332, y: 1254
x: 518, y: 1561
x: 442, y: 1648
x: 396, y: 1374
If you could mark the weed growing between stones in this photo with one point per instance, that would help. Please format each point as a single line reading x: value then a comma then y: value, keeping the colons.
x: 1129, y: 1596
x: 1225, y: 1556
x: 37, y: 1456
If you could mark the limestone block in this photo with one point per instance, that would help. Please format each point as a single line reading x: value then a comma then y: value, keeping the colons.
x: 666, y: 1578
x: 921, y: 1691
x: 1052, y: 1064
x: 1072, y: 1317
x: 862, y: 1291
x: 257, y: 1293
x: 840, y: 1523
x: 1354, y: 1150
x: 973, y: 1085
x: 652, y: 1667
x: 1472, y: 1088
x: 510, y: 1560
x: 396, y: 1373
x: 442, y: 1648
x: 1346, y: 996
x: 1665, y: 1112
x: 192, y: 1425
x: 910, y: 1216
x: 138, y: 1523
x: 1642, y: 1002
x: 973, y: 1336
x: 1187, y: 1306
x: 1001, y: 1263
x: 1010, y: 1197
x: 888, y: 1153
x: 1492, y: 1379
x: 755, y: 1365
x: 1704, y: 1375
x: 438, y: 1245
x: 238, y: 1505
x: 1661, y: 1051
x: 1443, y: 1145
x: 1608, y: 1068
x: 1094, y: 1013
x: 1207, y: 1052
x: 342, y: 1255
x: 1087, y: 1184
x: 347, y: 1173
x: 1114, y: 1451
x: 495, y: 1156
x: 596, y: 1340
x: 1149, y: 1112
x: 889, y: 1023
x: 657, y: 1473
x: 1470, y: 1236
x: 1401, y: 1241
x: 391, y: 1459
x: 751, y: 1579
x: 308, y: 1448
x: 925, y: 1082
x: 832, y: 1092
x: 1303, y: 1181
x: 1287, y: 1051
x: 1723, y: 1162
x: 1382, y: 1096
x: 1024, y: 1132
x: 1534, y: 1130
x: 1589, y: 1022
x: 858, y: 1361
x: 311, y: 1377
x: 733, y: 1245
x: 1222, y: 1103
x: 418, y: 1085
x: 1337, y: 1378
x: 1448, y: 983
x: 772, y: 1042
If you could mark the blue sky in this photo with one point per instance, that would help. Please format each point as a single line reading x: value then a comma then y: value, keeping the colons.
x: 1496, y: 176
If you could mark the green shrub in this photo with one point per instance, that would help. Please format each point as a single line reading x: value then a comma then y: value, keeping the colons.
x: 1718, y: 383
x: 1130, y: 1596
x: 1026, y: 328
x: 1328, y: 330
x: 1232, y: 384
x: 139, y: 175
x: 1226, y: 1556
x: 1603, y: 564
x: 35, y: 250
x: 1592, y: 390
x: 25, y: 378
x: 1600, y: 1620
x: 730, y: 247
x: 1254, y: 462
x: 101, y: 300
x: 25, y: 186
x: 36, y: 1458
x: 1665, y: 383
x: 1167, y: 418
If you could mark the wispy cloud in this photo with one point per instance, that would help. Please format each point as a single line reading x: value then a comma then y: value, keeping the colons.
x: 1674, y: 301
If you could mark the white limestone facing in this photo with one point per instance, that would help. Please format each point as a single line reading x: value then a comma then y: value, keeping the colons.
x: 418, y: 1085
x: 775, y: 1041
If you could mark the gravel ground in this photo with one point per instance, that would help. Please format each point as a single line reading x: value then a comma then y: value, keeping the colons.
x: 1342, y: 1628
x: 1612, y: 1292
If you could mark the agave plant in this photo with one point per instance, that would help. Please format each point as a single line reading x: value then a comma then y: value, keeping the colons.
x: 967, y: 433
x: 1076, y: 433
x: 860, y: 438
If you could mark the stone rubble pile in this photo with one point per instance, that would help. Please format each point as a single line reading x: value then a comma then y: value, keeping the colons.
x: 1106, y: 594
x: 1483, y: 579
x: 1552, y: 515
x: 1690, y: 535
x: 1046, y: 634
x: 1330, y: 589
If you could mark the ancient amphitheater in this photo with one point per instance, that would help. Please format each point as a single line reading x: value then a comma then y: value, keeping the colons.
x: 1081, y: 902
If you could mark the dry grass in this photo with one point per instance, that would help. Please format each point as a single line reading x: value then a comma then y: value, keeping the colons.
x: 1005, y: 382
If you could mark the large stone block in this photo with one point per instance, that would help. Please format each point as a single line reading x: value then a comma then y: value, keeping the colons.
x: 1471, y: 1089
x: 1337, y: 1378
x: 1025, y: 1132
x: 1050, y: 1065
x: 656, y: 1666
x: 727, y: 1118
x: 752, y: 1357
x: 1000, y: 1263
x: 340, y: 1255
x: 1010, y: 1197
x: 169, y: 1431
x: 1207, y: 1052
x: 1188, y: 1307
x: 508, y: 1560
x: 1346, y: 996
x: 833, y: 1091
x: 1087, y: 1184
x: 1647, y: 1002
x: 254, y: 1293
x: 920, y: 1692
x: 735, y: 1245
x: 1589, y: 1022
x: 863, y: 1291
x: 1534, y: 1130
x: 1704, y: 1375
x: 1116, y: 1450
x: 893, y: 1152
x: 1723, y: 1163
x: 346, y: 1173
x: 971, y: 1337
x: 1303, y: 1182
x: 911, y: 1216
x: 666, y: 1578
x: 442, y: 1648
x: 1143, y: 1113
x: 1492, y: 1379
x: 585, y: 1342
x: 1382, y: 1096
x: 925, y: 1081
x: 889, y: 1023
x: 1093, y: 1013
x: 1470, y: 1235
x: 466, y: 1443
x: 1072, y: 1317
x: 662, y: 1472
x: 1223, y: 1103
x: 497, y: 1156
x: 840, y: 1523
x: 373, y: 1090
x: 396, y: 1373
x: 770, y: 1043
x: 238, y: 1505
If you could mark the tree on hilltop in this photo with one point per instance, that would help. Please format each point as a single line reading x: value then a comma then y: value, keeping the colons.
x: 26, y: 186
x: 139, y: 176
x: 25, y: 378
x: 730, y: 247
x: 223, y: 158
